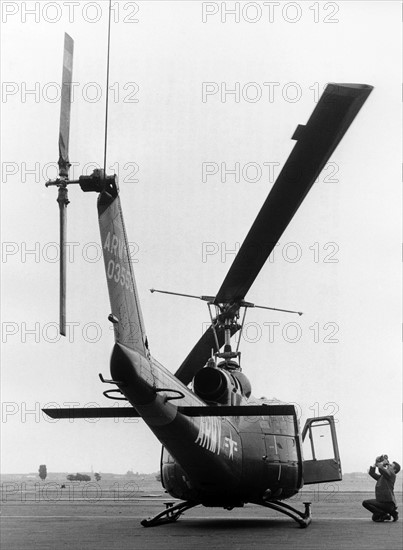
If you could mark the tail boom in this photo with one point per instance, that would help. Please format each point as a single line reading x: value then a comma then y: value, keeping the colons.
x: 125, y: 305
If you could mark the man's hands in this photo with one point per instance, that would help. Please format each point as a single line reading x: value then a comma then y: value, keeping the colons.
x: 381, y: 460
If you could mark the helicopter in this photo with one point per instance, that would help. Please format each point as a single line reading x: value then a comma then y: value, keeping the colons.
x: 221, y: 447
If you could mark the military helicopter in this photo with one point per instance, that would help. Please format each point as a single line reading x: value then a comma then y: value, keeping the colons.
x: 221, y: 447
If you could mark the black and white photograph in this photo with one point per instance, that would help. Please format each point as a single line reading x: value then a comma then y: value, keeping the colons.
x: 201, y: 275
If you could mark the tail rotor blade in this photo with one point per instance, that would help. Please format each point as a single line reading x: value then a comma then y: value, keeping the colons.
x: 64, y: 165
x: 64, y: 128
x: 63, y: 201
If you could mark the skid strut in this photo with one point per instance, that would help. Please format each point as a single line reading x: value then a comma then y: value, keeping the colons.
x: 302, y: 518
x: 170, y: 514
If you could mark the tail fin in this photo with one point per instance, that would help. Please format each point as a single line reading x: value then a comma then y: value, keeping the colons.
x: 126, y: 312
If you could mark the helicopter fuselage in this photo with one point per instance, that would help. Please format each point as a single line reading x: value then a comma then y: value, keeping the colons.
x: 217, y: 461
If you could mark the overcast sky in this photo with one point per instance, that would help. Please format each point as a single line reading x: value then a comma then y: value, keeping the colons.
x: 174, y: 140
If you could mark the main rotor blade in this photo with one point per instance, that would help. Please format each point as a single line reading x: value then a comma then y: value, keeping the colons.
x: 200, y: 354
x: 64, y: 128
x: 316, y: 141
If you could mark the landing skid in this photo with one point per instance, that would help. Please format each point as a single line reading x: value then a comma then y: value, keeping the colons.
x: 170, y: 514
x: 302, y: 518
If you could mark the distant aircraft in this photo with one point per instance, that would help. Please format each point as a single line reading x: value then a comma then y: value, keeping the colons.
x: 222, y: 447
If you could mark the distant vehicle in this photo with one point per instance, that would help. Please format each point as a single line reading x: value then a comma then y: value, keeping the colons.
x: 78, y: 477
x: 222, y: 447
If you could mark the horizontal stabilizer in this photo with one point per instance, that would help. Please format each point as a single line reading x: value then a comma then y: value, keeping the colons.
x: 215, y: 410
x: 239, y: 410
x: 93, y: 412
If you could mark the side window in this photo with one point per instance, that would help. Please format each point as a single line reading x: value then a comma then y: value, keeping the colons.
x: 318, y: 441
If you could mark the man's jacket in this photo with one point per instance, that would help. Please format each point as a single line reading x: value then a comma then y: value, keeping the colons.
x: 385, y: 482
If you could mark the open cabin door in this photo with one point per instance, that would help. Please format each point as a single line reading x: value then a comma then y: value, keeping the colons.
x: 324, y: 462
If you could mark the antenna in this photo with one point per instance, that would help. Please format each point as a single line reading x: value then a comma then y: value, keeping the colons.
x: 107, y: 85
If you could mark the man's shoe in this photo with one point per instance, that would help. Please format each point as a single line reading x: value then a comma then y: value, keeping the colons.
x: 395, y: 515
x: 379, y: 518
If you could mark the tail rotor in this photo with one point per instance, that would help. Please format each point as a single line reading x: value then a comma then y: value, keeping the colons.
x: 64, y: 164
x: 98, y: 181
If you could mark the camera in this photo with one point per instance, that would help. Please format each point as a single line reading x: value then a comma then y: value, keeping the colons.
x: 383, y: 458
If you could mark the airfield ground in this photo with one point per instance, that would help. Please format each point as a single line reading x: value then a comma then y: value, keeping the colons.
x: 87, y: 518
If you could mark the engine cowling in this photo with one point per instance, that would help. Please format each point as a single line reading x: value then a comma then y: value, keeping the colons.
x: 216, y: 385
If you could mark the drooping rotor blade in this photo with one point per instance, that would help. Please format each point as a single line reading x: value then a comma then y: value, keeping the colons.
x: 200, y: 354
x: 64, y: 128
x: 63, y: 201
x: 316, y: 141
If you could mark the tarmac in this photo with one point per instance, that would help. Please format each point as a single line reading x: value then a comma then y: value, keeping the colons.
x: 105, y: 522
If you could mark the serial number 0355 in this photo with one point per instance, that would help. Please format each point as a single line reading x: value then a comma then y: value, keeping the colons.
x: 120, y: 274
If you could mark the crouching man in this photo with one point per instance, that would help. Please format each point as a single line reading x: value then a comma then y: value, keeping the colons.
x: 383, y: 507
